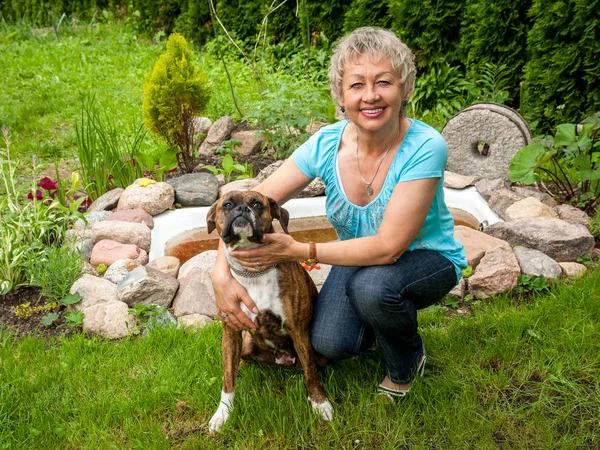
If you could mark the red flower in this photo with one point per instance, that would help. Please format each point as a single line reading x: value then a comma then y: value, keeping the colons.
x: 48, y: 184
x: 38, y: 195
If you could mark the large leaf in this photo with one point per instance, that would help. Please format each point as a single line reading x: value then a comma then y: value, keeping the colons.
x: 566, y: 135
x: 523, y: 165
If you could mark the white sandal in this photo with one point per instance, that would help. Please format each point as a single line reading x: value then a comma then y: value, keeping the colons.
x: 393, y: 394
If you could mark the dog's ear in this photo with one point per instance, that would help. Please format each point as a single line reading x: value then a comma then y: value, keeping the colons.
x: 281, y: 214
x: 210, y: 218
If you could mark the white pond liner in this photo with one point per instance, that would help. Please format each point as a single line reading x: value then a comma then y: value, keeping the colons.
x: 171, y: 223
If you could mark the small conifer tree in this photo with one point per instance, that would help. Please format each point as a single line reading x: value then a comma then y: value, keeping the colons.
x: 174, y: 93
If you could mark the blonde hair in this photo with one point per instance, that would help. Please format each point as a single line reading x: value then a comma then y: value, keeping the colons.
x: 373, y: 41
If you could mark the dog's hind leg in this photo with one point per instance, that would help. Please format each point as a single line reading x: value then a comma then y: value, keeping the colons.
x: 231, y: 350
x: 316, y: 395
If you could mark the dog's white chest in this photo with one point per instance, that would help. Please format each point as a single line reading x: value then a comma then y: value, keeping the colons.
x: 264, y: 290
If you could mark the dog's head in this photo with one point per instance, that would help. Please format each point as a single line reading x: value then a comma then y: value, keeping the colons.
x: 245, y: 216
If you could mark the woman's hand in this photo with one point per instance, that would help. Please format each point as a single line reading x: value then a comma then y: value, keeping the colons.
x: 277, y: 248
x: 228, y: 294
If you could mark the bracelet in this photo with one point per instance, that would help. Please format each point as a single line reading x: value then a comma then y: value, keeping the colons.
x: 312, y: 255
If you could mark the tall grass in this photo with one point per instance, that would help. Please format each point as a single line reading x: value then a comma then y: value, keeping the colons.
x: 513, y: 375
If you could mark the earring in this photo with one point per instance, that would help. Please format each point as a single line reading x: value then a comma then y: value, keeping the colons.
x: 343, y: 110
x: 404, y: 103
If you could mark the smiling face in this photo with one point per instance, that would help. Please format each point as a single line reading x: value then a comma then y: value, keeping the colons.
x: 371, y: 93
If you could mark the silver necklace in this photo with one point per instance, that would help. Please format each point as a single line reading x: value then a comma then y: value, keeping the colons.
x: 370, y: 184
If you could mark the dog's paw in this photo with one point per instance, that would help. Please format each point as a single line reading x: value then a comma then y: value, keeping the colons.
x: 324, y: 409
x: 217, y: 421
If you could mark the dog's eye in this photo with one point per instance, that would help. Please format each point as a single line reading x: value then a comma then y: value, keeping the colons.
x: 227, y: 205
x: 257, y: 205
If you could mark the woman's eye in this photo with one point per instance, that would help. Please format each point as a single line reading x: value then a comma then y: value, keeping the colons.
x: 355, y: 85
x: 384, y: 82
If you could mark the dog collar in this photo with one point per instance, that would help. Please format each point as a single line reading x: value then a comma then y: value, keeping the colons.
x: 247, y: 274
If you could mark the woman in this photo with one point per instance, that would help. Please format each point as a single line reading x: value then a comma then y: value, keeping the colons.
x: 384, y: 179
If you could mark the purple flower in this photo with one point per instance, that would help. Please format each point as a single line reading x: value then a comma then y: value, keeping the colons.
x: 38, y: 195
x: 48, y: 184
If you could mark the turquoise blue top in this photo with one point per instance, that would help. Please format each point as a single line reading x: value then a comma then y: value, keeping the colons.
x: 423, y: 154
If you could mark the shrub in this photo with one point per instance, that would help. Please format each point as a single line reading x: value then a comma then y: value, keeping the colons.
x: 561, y: 75
x: 174, y: 93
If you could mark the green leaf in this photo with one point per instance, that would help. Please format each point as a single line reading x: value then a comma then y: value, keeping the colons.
x: 49, y: 319
x: 523, y: 165
x: 71, y: 299
x: 74, y: 319
x: 566, y: 134
x: 227, y: 163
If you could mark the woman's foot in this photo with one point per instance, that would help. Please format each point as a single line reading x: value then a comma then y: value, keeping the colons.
x: 393, y: 390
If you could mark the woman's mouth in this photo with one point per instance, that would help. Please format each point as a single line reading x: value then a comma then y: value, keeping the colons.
x: 372, y: 112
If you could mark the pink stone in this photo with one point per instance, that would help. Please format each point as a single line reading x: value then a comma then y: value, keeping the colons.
x: 107, y: 252
x: 133, y: 215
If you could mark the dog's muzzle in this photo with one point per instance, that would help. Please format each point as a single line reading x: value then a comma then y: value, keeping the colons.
x: 241, y: 222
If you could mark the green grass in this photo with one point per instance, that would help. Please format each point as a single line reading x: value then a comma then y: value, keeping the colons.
x: 513, y: 375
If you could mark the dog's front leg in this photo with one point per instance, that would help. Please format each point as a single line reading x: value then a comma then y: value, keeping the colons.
x: 231, y: 350
x: 316, y: 395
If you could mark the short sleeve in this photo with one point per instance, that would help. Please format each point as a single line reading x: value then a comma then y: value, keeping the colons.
x: 429, y: 161
x: 305, y: 156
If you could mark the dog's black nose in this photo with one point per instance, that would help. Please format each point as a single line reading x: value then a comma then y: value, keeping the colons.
x: 242, y: 209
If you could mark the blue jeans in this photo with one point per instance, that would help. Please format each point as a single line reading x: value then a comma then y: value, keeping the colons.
x: 360, y: 304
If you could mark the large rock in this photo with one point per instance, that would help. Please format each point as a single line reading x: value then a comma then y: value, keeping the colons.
x: 455, y: 181
x: 487, y: 187
x: 107, y: 201
x: 195, y: 189
x: 268, y: 171
x: 82, y: 241
x: 529, y: 208
x: 93, y: 291
x: 246, y: 184
x: 219, y: 131
x: 501, y: 128
x: 193, y: 297
x: 476, y: 243
x: 252, y: 142
x: 91, y: 218
x: 556, y: 238
x: 110, y: 320
x: 120, y: 269
x: 497, y: 273
x: 572, y: 215
x: 153, y: 198
x: 572, y: 269
x: 108, y: 251
x: 543, y: 197
x: 501, y: 200
x: 132, y: 215
x: 205, y: 261
x: 147, y: 286
x: 535, y: 263
x: 137, y: 234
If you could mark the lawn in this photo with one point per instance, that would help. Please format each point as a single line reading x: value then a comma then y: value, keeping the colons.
x: 512, y: 374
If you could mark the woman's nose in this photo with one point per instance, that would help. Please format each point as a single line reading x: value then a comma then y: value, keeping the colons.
x: 371, y: 94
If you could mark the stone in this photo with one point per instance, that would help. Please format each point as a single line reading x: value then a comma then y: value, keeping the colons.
x: 110, y: 320
x: 315, y: 188
x: 246, y: 184
x: 462, y: 217
x: 137, y: 234
x: 82, y: 241
x: 459, y: 290
x: 497, y: 273
x: 132, y: 215
x: 487, y: 187
x: 166, y: 264
x: 201, y: 125
x: 219, y: 131
x: 119, y: 270
x: 503, y: 131
x: 252, y: 142
x: 528, y: 208
x: 543, y: 197
x: 556, y: 238
x: 107, y: 201
x: 108, y: 251
x: 153, y: 198
x: 91, y: 219
x: 477, y: 243
x: 147, y: 286
x: 193, y: 297
x: 455, y: 181
x: 194, y: 322
x: 535, y: 263
x: 572, y: 215
x: 573, y: 269
x: 205, y: 260
x: 320, y: 275
x: 93, y: 291
x: 269, y: 170
x: 501, y: 199
x: 195, y: 189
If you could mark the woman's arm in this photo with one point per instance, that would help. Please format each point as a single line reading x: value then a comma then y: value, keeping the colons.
x: 404, y: 216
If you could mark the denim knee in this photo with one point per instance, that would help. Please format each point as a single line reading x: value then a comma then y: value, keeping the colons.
x: 365, y: 295
x: 333, y: 346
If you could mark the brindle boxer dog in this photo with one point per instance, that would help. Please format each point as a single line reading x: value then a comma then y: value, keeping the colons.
x: 284, y: 295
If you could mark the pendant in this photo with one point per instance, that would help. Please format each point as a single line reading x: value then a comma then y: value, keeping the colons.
x: 369, y: 189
